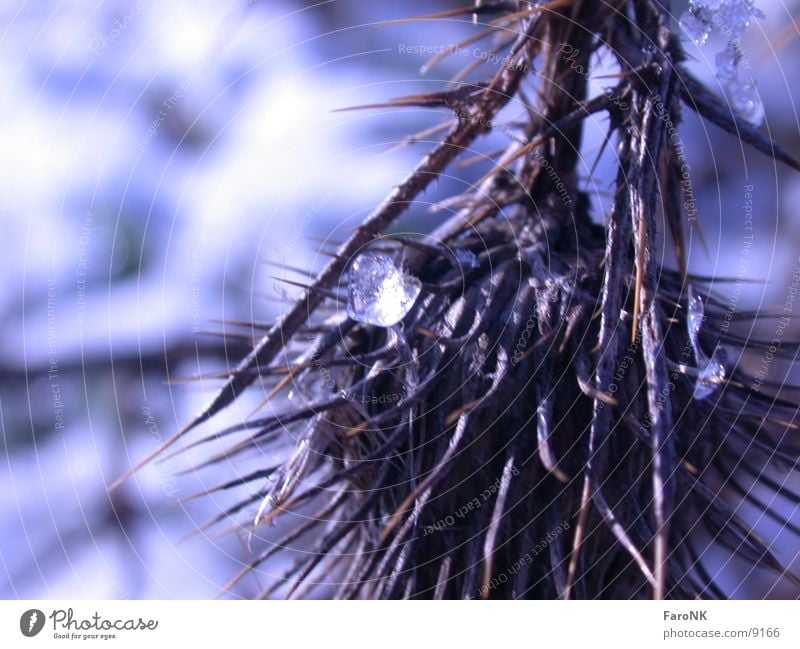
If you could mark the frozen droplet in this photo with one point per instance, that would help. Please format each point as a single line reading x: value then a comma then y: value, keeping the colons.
x: 734, y: 16
x: 728, y: 19
x: 746, y: 101
x: 695, y: 315
x: 466, y: 258
x: 378, y: 292
x: 726, y: 64
x: 711, y: 375
x: 711, y: 372
x: 696, y: 28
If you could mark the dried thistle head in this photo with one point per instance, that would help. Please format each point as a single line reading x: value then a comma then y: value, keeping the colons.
x: 557, y: 414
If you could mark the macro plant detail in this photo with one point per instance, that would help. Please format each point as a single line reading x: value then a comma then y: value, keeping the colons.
x: 528, y: 400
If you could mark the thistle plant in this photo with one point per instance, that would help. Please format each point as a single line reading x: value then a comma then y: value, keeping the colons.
x: 526, y: 401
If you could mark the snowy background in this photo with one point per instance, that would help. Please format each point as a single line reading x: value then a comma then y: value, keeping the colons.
x: 154, y: 156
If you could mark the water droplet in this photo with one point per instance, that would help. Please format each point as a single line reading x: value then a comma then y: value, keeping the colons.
x: 746, y: 101
x: 378, y: 292
x: 711, y: 375
x: 694, y: 321
x: 711, y: 372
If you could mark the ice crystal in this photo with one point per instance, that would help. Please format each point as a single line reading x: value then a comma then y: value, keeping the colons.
x: 729, y: 19
x: 378, y: 292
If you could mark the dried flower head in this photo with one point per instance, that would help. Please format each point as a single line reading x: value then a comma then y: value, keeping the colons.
x: 544, y: 409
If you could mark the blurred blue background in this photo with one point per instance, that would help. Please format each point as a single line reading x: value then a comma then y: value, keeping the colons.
x: 154, y: 156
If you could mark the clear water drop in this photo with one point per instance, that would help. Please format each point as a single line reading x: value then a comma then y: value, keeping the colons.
x: 694, y: 321
x: 746, y: 101
x: 711, y: 372
x: 711, y: 375
x: 378, y: 292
